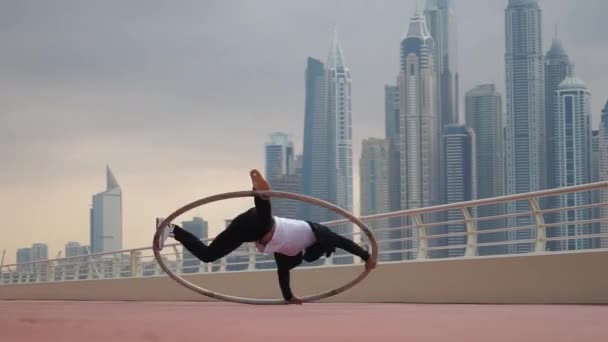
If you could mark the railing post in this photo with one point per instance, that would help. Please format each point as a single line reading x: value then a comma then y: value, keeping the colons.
x: 223, y: 264
x: 49, y: 271
x: 117, y: 269
x: 134, y: 261
x: 251, y: 250
x: 540, y: 225
x: 422, y: 240
x: 178, y: 261
x: 471, y: 227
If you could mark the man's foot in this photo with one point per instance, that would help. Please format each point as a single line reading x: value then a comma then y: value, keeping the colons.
x: 258, y: 181
x: 167, y: 231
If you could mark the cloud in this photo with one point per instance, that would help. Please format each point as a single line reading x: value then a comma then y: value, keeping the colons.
x: 182, y: 95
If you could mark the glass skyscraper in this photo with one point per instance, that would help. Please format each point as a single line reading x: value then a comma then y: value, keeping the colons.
x: 525, y: 132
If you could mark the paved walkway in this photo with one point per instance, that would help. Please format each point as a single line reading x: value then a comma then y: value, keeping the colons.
x: 42, y: 321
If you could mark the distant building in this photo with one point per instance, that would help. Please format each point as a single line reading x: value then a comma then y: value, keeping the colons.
x: 375, y: 195
x: 106, y: 217
x: 24, y: 256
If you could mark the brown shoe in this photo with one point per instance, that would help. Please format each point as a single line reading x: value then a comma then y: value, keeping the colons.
x: 258, y: 181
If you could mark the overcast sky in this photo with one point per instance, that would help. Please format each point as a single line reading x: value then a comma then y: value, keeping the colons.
x: 179, y: 96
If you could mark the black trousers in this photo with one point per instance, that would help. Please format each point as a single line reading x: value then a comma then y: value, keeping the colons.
x: 234, y: 236
x: 225, y: 242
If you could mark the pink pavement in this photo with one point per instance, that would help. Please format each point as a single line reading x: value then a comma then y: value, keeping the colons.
x: 42, y: 321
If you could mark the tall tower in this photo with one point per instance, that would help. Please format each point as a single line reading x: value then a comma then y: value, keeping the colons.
x: 441, y: 22
x: 279, y: 156
x: 40, y: 251
x: 316, y: 154
x: 281, y: 174
x: 525, y: 131
x: 483, y: 114
x: 573, y: 159
x: 24, y: 255
x: 339, y: 112
x: 106, y: 217
x: 461, y: 181
x: 603, y: 173
x: 73, y: 249
x: 375, y: 195
x: 557, y: 68
x: 419, y: 146
x: 595, y: 177
x: 392, y: 133
x: 393, y: 136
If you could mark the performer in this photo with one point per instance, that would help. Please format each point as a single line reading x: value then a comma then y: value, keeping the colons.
x: 290, y: 240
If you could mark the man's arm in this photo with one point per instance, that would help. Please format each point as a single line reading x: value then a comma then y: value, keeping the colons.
x: 284, y: 266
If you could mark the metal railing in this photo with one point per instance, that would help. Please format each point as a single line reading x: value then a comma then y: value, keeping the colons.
x: 571, y: 218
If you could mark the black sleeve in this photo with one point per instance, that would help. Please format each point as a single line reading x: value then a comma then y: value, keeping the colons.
x: 284, y: 265
x: 262, y: 206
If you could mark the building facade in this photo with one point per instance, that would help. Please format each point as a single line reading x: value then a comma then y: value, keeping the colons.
x: 573, y: 162
x: 525, y: 122
x: 461, y: 182
x: 106, y: 217
x: 419, y: 146
x: 375, y: 195
x: 483, y: 114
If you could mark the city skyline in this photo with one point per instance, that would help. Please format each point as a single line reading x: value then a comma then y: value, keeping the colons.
x: 165, y: 176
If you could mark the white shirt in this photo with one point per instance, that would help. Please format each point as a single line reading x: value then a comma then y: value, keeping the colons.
x: 290, y: 237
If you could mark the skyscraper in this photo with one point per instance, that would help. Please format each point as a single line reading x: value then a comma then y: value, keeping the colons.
x: 525, y: 131
x: 419, y: 146
x: 73, y: 249
x: 375, y: 195
x: 392, y: 134
x: 284, y: 207
x: 557, y: 68
x: 279, y: 156
x: 461, y: 182
x: 315, y: 160
x: 24, y: 255
x: 483, y: 114
x: 281, y: 174
x: 106, y: 217
x: 595, y: 177
x: 199, y: 228
x: 339, y: 108
x: 603, y: 172
x: 327, y: 161
x: 40, y: 251
x: 441, y: 22
x: 573, y: 160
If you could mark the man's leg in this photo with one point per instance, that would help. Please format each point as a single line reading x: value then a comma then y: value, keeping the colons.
x: 348, y: 245
x: 226, y: 242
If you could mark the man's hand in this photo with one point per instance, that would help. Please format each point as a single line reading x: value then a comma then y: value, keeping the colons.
x: 295, y: 300
x: 370, y: 264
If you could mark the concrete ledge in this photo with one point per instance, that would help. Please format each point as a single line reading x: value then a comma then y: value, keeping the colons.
x: 555, y: 278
